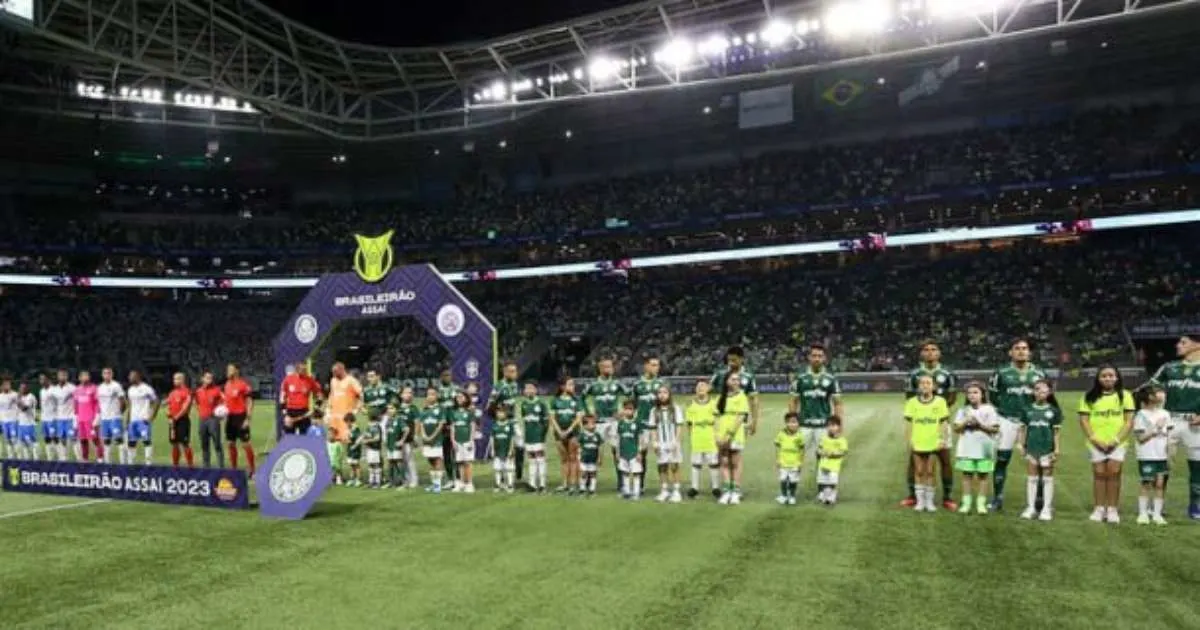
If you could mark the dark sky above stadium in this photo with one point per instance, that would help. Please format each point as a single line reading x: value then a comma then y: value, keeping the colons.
x: 428, y: 22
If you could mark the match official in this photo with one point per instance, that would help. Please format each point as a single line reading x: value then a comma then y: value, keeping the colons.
x: 179, y: 406
x: 240, y: 404
x: 208, y: 396
x: 295, y: 396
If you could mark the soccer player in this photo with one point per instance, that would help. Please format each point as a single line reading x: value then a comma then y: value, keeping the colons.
x: 816, y: 396
x: 976, y: 424
x: 446, y: 392
x: 463, y: 424
x: 789, y: 453
x: 733, y: 408
x: 64, y: 404
x: 143, y: 407
x: 566, y: 411
x: 207, y: 397
x: 700, y: 418
x: 112, y: 409
x: 179, y: 408
x: 1039, y: 438
x: 372, y: 448
x: 645, y: 390
x: 377, y: 395
x: 926, y: 415
x: 533, y: 416
x: 396, y: 428
x: 1011, y: 390
x: 345, y: 397
x: 239, y: 402
x: 503, y: 448
x: 833, y: 450
x: 1181, y: 382
x: 590, y: 441
x: 48, y: 403
x: 87, y: 410
x: 8, y: 417
x: 27, y: 446
x: 296, y: 393
x: 430, y: 429
x: 945, y: 385
x: 1106, y: 417
x: 603, y: 399
x: 735, y: 364
x: 629, y: 449
x: 505, y: 393
x: 1152, y: 428
x: 666, y: 418
x: 354, y: 450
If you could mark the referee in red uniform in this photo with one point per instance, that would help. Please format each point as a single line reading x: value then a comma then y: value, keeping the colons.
x: 295, y: 394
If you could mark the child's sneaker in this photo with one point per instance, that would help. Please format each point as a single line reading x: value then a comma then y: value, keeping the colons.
x: 1113, y: 516
x: 981, y: 507
x: 735, y: 499
x: 509, y: 489
x: 675, y: 497
x: 716, y: 493
x: 497, y: 489
x: 1143, y: 519
x: 663, y: 496
x: 1046, y: 515
x: 791, y: 500
x: 965, y: 507
x: 725, y: 499
x: 1097, y: 515
x: 469, y: 489
x: 781, y: 500
x: 930, y: 506
x: 1157, y: 519
x: 1028, y: 514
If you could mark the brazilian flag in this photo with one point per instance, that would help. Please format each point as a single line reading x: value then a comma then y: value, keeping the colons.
x: 840, y: 92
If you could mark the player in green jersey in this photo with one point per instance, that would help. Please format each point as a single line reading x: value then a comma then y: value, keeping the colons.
x: 1038, y: 438
x: 1106, y: 417
x: 566, y: 412
x: 377, y: 395
x: 1011, y: 391
x: 396, y: 429
x: 816, y: 396
x: 533, y: 416
x: 590, y: 443
x: 603, y: 397
x: 430, y: 428
x: 406, y: 414
x: 446, y: 390
x: 644, y: 391
x: 462, y: 423
x: 735, y: 364
x: 1181, y: 381
x: 372, y: 449
x: 945, y: 385
x: 630, y: 440
x: 354, y: 450
x: 505, y: 393
x: 502, y: 444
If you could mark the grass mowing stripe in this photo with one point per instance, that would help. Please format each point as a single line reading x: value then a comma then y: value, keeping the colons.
x: 53, y: 508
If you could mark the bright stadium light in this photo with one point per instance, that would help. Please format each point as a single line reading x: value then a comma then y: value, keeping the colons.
x: 858, y: 17
x: 776, y: 32
x: 677, y: 52
x: 498, y: 91
x: 602, y: 68
x: 713, y: 46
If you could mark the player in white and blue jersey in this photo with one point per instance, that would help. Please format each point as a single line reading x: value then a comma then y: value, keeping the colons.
x: 112, y: 409
x: 143, y: 406
x: 63, y: 393
x: 8, y: 417
x: 27, y: 404
x: 49, y: 406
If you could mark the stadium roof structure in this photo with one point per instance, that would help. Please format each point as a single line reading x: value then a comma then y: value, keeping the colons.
x: 238, y: 65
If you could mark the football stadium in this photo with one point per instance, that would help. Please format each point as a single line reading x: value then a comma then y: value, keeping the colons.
x: 599, y: 314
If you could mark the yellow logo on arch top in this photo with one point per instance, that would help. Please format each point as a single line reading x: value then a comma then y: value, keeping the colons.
x: 373, y: 258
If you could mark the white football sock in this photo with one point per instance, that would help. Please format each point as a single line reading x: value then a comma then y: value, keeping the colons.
x: 1158, y: 507
x: 1047, y: 492
x: 637, y: 485
x: 149, y: 452
x: 1143, y: 506
x: 714, y: 476
x: 696, y: 477
x: 1031, y: 484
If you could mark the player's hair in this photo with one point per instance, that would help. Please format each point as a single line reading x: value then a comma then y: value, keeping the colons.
x: 929, y: 342
x: 816, y: 345
x: 834, y: 420
x: 791, y: 415
x: 735, y: 351
x: 431, y: 388
x: 466, y: 403
x: 1052, y: 399
x: 1019, y: 340
x: 1143, y: 394
x: 982, y: 390
x: 510, y: 362
x: 496, y: 409
x: 604, y: 358
x: 589, y: 416
x: 1096, y: 391
x: 650, y: 357
x: 447, y: 373
x: 628, y: 404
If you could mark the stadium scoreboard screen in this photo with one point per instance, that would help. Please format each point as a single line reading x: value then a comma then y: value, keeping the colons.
x: 17, y: 8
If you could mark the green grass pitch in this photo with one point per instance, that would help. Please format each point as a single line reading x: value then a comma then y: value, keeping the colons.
x: 386, y: 559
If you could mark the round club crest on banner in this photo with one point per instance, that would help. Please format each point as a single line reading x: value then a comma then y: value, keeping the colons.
x: 295, y: 476
x: 450, y: 320
x: 306, y: 328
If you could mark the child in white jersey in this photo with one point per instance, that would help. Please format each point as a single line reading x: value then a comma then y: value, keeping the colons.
x: 976, y: 425
x: 1152, y: 427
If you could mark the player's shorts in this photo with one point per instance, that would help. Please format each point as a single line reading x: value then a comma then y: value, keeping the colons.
x: 86, y: 430
x: 704, y: 459
x: 983, y: 466
x: 9, y: 431
x: 336, y: 452
x: 464, y: 453
x: 374, y: 456
x: 607, y: 428
x: 1116, y: 455
x: 395, y: 454
x: 1150, y: 470
x: 49, y: 430
x: 789, y: 474
x: 111, y: 430
x: 66, y: 428
x: 668, y: 454
x: 26, y: 434
x: 180, y: 431
x: 501, y: 464
x: 432, y: 452
x: 1041, y: 461
x: 534, y: 449
x: 812, y: 439
x: 139, y: 431
x: 1010, y: 429
x: 353, y: 456
x: 587, y: 467
x: 300, y: 421
x: 630, y: 466
x: 923, y: 453
x: 827, y: 477
x: 237, y: 428
x: 1186, y: 435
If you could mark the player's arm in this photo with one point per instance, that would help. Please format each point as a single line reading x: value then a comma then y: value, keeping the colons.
x: 1057, y: 437
x: 1020, y: 445
x: 951, y: 395
x: 1141, y: 429
x: 1085, y: 423
x: 794, y: 396
x: 910, y: 387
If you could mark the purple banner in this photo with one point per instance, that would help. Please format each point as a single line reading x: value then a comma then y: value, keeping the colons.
x: 296, y: 474
x: 205, y: 487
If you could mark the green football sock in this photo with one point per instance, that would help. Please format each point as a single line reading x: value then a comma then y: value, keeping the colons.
x: 1001, y: 473
x: 1193, y: 482
x: 783, y: 488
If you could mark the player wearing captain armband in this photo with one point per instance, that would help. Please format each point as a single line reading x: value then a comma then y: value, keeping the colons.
x: 789, y: 454
x: 667, y: 417
x: 503, y: 449
x: 733, y: 408
x: 700, y: 418
x: 926, y: 417
x: 1011, y: 390
x: 430, y: 428
x: 832, y: 451
x: 629, y: 449
x: 112, y: 409
x: 27, y: 446
x: 976, y: 424
x: 1106, y: 417
x: 590, y: 443
x: 8, y: 417
x: 1039, y: 439
x: 1152, y: 428
x: 1181, y: 382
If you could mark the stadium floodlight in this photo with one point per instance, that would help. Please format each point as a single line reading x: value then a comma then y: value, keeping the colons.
x: 858, y: 17
x: 713, y: 46
x: 959, y: 8
x: 524, y: 85
x: 677, y: 52
x: 577, y: 74
x: 602, y: 69
x: 776, y: 32
x: 498, y: 91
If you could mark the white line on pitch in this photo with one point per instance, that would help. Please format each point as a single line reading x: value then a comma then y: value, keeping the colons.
x: 53, y: 508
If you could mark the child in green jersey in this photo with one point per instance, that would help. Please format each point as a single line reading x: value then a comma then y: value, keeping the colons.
x: 354, y: 450
x: 1106, y: 417
x: 503, y: 448
x: 1038, y: 438
x: 373, y: 450
x: 430, y: 429
x: 733, y: 408
x: 700, y: 419
x: 832, y: 451
x: 629, y: 448
x: 462, y: 436
x: 590, y: 441
x: 789, y: 454
x: 395, y: 429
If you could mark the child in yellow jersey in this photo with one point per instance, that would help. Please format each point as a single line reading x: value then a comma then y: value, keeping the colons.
x: 700, y: 419
x: 832, y: 452
x: 733, y: 408
x: 927, y: 417
x: 789, y: 455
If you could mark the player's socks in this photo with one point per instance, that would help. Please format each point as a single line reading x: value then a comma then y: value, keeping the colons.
x: 175, y: 455
x: 77, y: 449
x: 637, y: 485
x: 1143, y: 505
x: 714, y: 476
x: 1001, y: 474
x: 1194, y: 483
x: 696, y: 477
x: 1158, y: 507
x: 233, y: 456
x: 499, y: 479
x: 1031, y: 487
x: 783, y: 488
x: 85, y: 449
x: 1047, y: 493
x: 149, y: 453
x: 966, y: 503
x: 250, y: 466
x: 189, y: 456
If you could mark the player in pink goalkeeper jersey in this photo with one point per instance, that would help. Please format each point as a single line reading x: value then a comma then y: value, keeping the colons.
x: 87, y: 411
